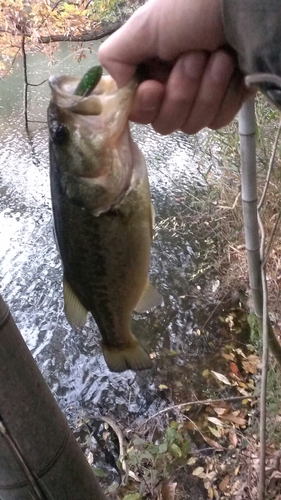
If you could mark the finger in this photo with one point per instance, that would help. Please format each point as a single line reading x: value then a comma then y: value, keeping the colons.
x: 181, y: 91
x: 236, y: 94
x: 213, y: 88
x: 163, y: 29
x: 125, y: 49
x: 147, y: 102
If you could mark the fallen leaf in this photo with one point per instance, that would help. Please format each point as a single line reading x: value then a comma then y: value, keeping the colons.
x: 229, y: 357
x: 214, y: 431
x: 90, y: 457
x: 211, y: 493
x: 168, y: 491
x: 234, y: 368
x: 216, y: 494
x: 221, y: 377
x: 243, y: 392
x: 234, y: 418
x: 213, y: 443
x: 275, y: 475
x: 191, y: 461
x: 233, y: 439
x: 220, y: 411
x: 132, y: 496
x: 198, y: 471
x: 224, y: 484
x: 215, y: 421
x: 239, y: 351
x: 163, y: 387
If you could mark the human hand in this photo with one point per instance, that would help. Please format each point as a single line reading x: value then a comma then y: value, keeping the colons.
x: 193, y: 82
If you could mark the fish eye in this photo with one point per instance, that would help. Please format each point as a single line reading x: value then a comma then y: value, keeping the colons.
x: 58, y: 132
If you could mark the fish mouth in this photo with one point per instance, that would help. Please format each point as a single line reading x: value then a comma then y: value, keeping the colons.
x: 104, y: 99
x: 90, y: 139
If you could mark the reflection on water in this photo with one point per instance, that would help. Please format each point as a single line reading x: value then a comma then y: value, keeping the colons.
x: 31, y: 274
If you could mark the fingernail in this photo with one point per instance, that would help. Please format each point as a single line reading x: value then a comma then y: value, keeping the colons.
x: 193, y: 65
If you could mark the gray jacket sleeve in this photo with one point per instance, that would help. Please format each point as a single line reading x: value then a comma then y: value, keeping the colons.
x: 253, y: 29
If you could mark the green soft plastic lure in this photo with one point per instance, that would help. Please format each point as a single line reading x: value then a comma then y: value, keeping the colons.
x: 89, y: 81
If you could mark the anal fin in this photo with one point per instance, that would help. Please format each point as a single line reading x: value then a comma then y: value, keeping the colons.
x: 150, y: 298
x: 75, y: 312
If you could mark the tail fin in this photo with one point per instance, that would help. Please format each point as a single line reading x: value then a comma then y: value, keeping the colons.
x: 131, y: 356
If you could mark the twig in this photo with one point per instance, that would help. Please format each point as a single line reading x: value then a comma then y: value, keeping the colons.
x: 193, y: 403
x: 37, y: 84
x: 214, y: 310
x: 233, y: 205
x: 201, y: 434
x: 271, y: 163
x: 119, y: 435
x: 264, y: 365
x: 12, y: 63
x: 25, y: 81
x: 271, y: 238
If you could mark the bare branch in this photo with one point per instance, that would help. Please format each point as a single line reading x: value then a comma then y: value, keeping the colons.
x: 271, y: 238
x: 96, y: 34
x: 265, y: 321
x: 193, y: 403
x: 271, y: 163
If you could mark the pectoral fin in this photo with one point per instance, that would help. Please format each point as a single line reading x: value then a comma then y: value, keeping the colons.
x: 150, y: 298
x: 75, y: 313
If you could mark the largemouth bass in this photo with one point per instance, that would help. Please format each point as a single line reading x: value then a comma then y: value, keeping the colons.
x: 102, y: 212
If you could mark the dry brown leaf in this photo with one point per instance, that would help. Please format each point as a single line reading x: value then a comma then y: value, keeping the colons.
x: 233, y: 439
x: 243, y: 392
x: 168, y: 491
x: 191, y: 461
x: 90, y: 458
x: 234, y: 368
x: 220, y: 411
x: 275, y: 475
x: 234, y: 418
x: 229, y: 357
x: 198, y: 471
x: 222, y: 378
x: 224, y: 484
x: 211, y: 493
x: 215, y: 421
x: 213, y: 443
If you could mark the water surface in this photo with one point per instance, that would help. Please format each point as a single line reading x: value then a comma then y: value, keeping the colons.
x: 31, y: 272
